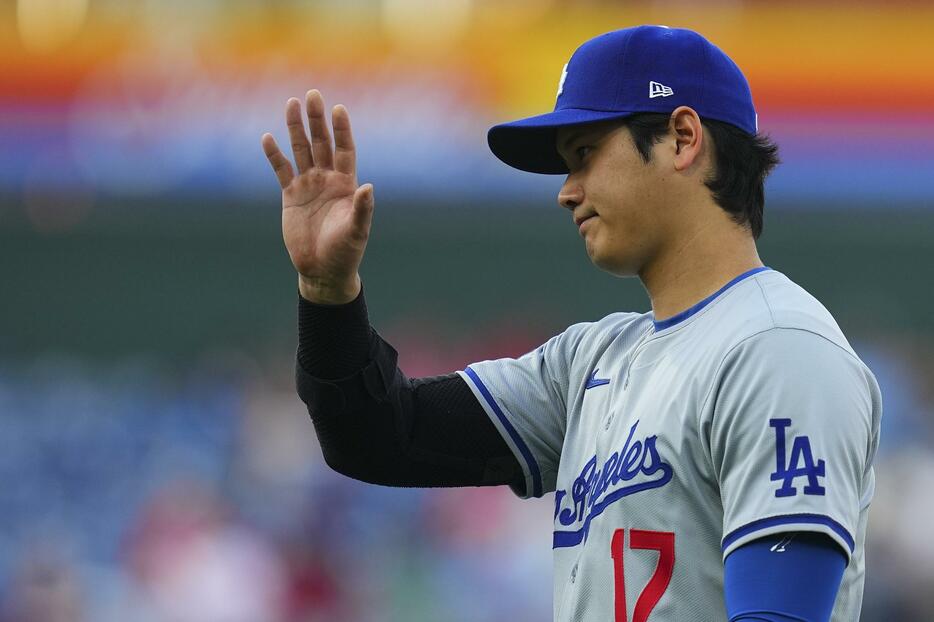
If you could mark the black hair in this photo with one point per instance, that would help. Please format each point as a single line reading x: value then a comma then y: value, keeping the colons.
x: 742, y: 162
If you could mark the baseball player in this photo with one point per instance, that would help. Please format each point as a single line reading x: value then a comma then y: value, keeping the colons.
x: 710, y: 459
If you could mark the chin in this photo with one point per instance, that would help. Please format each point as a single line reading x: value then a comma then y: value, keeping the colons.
x: 615, y: 265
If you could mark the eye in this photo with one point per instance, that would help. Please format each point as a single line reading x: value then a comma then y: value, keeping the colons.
x: 582, y: 151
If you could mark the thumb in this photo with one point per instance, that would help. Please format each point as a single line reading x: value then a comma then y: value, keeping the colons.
x: 363, y: 204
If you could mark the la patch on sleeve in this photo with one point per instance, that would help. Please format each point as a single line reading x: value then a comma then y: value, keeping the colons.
x: 800, y: 464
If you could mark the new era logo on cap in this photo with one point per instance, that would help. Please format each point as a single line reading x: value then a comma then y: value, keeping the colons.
x: 657, y: 89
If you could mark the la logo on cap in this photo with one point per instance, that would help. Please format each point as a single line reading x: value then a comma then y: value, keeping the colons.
x: 564, y: 76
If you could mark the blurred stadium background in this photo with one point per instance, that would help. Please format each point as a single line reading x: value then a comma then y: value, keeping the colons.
x: 155, y: 463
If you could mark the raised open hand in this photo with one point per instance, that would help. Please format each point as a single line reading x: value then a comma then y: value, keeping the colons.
x: 326, y: 217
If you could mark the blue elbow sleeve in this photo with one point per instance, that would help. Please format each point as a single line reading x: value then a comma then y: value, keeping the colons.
x: 788, y: 577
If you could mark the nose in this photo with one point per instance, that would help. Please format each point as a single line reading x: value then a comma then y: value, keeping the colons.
x: 571, y: 194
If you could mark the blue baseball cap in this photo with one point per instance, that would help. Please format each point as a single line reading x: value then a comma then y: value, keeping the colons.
x: 624, y: 72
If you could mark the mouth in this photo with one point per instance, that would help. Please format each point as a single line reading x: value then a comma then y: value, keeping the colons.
x: 580, y: 220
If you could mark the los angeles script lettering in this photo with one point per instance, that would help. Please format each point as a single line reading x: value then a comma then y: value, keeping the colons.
x: 635, y: 458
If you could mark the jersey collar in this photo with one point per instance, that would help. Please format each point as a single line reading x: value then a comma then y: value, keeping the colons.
x: 680, y: 317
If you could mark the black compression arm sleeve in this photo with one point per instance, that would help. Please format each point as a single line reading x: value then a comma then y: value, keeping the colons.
x: 378, y: 426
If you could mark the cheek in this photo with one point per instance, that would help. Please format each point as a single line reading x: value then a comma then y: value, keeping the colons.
x: 633, y: 208
x: 624, y: 239
x: 626, y: 194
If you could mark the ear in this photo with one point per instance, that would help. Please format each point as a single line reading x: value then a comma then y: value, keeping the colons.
x: 688, y: 131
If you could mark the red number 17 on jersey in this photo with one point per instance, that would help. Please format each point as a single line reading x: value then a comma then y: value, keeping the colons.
x: 661, y: 541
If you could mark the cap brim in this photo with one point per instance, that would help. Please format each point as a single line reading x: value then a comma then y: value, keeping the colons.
x: 530, y: 144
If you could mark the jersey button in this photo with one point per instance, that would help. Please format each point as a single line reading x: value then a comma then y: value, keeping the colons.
x: 573, y: 573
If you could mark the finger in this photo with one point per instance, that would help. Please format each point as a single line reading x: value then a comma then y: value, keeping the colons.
x: 363, y: 204
x: 280, y: 164
x: 345, y: 156
x: 300, y: 146
x: 320, y: 135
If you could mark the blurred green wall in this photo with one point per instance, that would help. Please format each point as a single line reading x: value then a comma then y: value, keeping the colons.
x: 174, y: 282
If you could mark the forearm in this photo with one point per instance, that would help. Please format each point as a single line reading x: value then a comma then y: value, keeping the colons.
x: 376, y: 425
x: 333, y: 340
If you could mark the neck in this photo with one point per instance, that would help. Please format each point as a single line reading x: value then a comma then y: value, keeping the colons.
x: 696, y: 267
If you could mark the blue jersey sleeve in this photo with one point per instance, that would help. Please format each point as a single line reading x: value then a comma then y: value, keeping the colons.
x: 785, y: 577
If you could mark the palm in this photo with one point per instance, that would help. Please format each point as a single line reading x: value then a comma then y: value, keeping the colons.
x: 317, y: 224
x: 325, y: 215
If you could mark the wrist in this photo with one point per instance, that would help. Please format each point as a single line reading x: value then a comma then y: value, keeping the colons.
x: 328, y: 292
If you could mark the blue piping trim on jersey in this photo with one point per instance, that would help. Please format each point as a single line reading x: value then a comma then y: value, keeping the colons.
x: 513, y: 434
x: 675, y: 319
x: 790, y: 519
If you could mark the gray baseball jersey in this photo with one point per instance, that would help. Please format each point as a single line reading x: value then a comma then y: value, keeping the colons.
x: 670, y: 444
